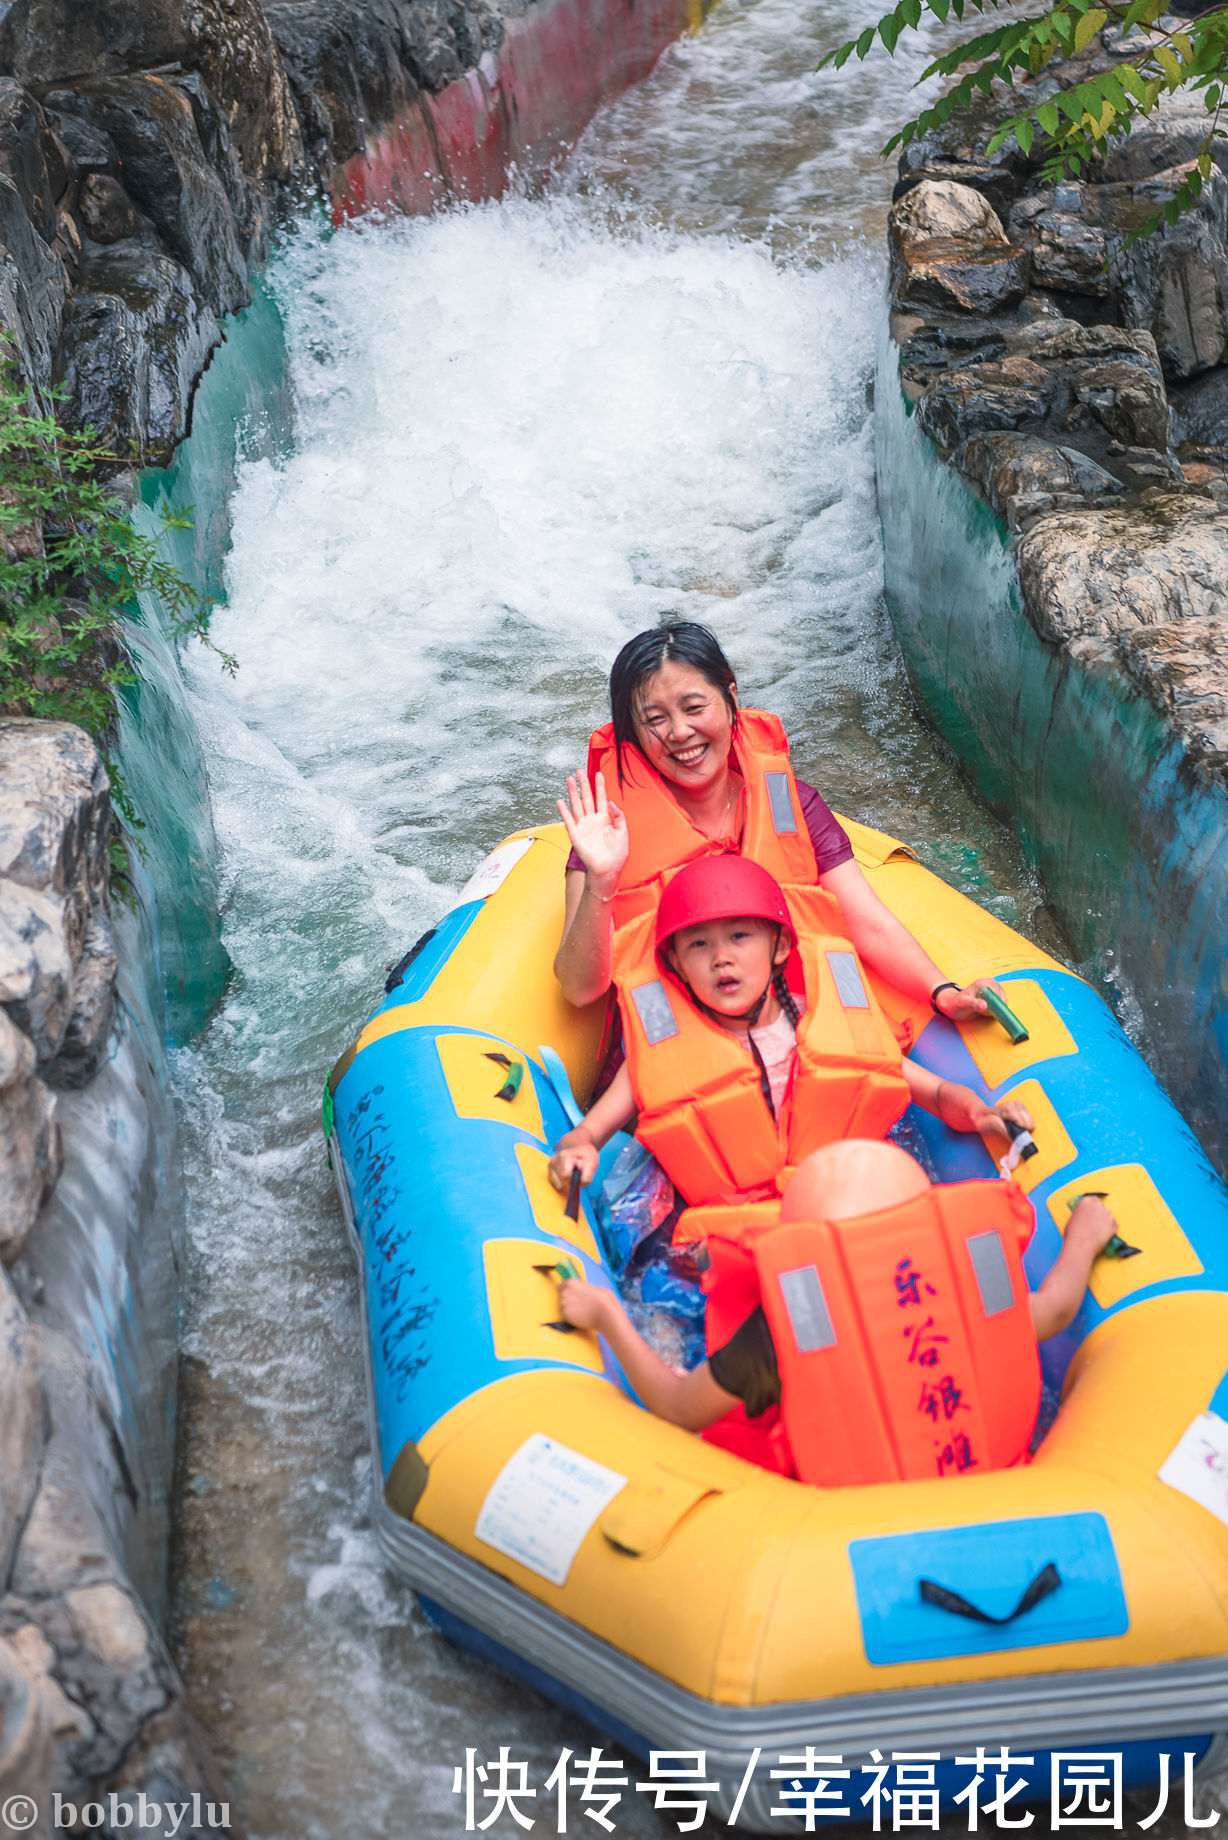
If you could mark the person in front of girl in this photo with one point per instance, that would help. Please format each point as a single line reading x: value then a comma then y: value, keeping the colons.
x: 752, y: 1039
x: 881, y: 1330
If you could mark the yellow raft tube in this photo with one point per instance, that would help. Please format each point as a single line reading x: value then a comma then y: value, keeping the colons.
x: 683, y: 1599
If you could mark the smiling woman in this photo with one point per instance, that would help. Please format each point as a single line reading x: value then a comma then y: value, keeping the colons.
x: 697, y: 775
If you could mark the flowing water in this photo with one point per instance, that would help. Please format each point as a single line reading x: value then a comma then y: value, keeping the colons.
x: 523, y: 432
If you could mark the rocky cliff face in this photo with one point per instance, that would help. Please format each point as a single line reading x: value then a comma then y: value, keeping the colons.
x: 1082, y: 387
x: 87, y: 1691
x: 145, y: 154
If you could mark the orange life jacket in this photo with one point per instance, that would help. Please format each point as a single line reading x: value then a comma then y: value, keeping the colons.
x: 663, y: 838
x: 701, y: 1107
x: 904, y: 1339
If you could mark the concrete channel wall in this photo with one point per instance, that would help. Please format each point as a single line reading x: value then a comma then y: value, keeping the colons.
x: 1053, y: 478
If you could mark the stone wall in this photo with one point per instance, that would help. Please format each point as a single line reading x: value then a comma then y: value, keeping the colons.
x: 1078, y: 390
x: 87, y: 1384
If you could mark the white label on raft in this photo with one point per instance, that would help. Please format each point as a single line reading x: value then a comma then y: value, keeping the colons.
x: 1198, y: 1465
x: 494, y: 871
x: 542, y: 1504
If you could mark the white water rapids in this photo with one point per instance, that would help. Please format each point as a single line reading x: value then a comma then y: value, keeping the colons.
x: 524, y: 431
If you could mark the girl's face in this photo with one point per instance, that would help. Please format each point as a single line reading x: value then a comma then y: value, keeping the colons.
x: 728, y: 964
x: 684, y: 727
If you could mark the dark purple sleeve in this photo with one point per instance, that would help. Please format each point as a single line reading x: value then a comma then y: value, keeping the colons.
x: 831, y: 844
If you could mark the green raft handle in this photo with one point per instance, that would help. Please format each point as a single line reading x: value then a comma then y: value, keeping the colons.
x: 1002, y: 1012
x: 515, y: 1074
x: 1117, y: 1247
x: 1045, y: 1583
x: 559, y: 1268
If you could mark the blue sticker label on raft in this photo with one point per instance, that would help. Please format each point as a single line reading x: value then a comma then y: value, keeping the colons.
x: 990, y: 1566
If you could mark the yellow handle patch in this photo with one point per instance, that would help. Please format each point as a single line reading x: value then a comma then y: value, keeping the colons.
x: 991, y: 1048
x: 473, y: 1082
x: 523, y: 1301
x: 1054, y: 1148
x: 547, y: 1204
x: 1144, y: 1220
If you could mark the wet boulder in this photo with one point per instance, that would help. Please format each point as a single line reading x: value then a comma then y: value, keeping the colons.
x: 36, y: 970
x: 1068, y: 254
x: 997, y: 184
x: 1012, y: 393
x: 1086, y: 386
x: 949, y: 251
x: 30, y: 1157
x: 135, y: 339
x: 33, y: 285
x: 1097, y: 574
x: 167, y: 175
x: 1023, y: 476
x: 105, y: 211
x: 1180, y: 666
x: 1174, y: 284
x: 30, y: 157
x: 57, y: 958
x: 51, y: 43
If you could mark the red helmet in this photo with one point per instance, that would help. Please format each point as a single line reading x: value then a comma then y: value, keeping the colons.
x: 725, y: 887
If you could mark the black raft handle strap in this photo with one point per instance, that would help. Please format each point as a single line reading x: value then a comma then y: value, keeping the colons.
x: 1043, y: 1585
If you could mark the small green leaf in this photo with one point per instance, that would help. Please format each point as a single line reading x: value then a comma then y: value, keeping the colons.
x: 1088, y: 27
x: 1024, y: 133
x: 1169, y: 65
x: 1112, y: 91
x: 1067, y: 100
x: 911, y: 12
x: 865, y: 41
x: 1047, y: 116
x: 1064, y: 27
x: 1172, y: 210
x: 889, y: 30
x: 1184, y: 46
x: 1130, y: 80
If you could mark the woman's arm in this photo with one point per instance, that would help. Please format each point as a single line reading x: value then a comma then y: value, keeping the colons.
x: 1088, y: 1231
x: 960, y: 1108
x: 579, y: 1149
x: 888, y: 947
x: 598, y: 833
x: 691, y: 1400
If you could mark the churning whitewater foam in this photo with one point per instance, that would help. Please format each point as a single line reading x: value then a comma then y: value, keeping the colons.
x: 524, y: 431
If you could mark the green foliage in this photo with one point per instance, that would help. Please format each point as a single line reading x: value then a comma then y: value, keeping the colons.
x: 1075, y: 125
x: 71, y: 563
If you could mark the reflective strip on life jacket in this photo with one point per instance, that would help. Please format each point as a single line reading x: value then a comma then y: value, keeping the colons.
x: 700, y: 1103
x: 904, y: 1338
x: 663, y: 838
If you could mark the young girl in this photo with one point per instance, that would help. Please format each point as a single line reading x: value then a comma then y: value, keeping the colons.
x: 733, y: 1078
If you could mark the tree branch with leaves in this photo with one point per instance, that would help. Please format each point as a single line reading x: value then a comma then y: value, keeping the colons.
x: 1072, y: 127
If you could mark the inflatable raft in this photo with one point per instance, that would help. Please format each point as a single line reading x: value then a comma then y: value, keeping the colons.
x: 682, y: 1599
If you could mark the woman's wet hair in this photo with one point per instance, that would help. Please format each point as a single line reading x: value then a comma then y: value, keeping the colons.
x: 678, y: 642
